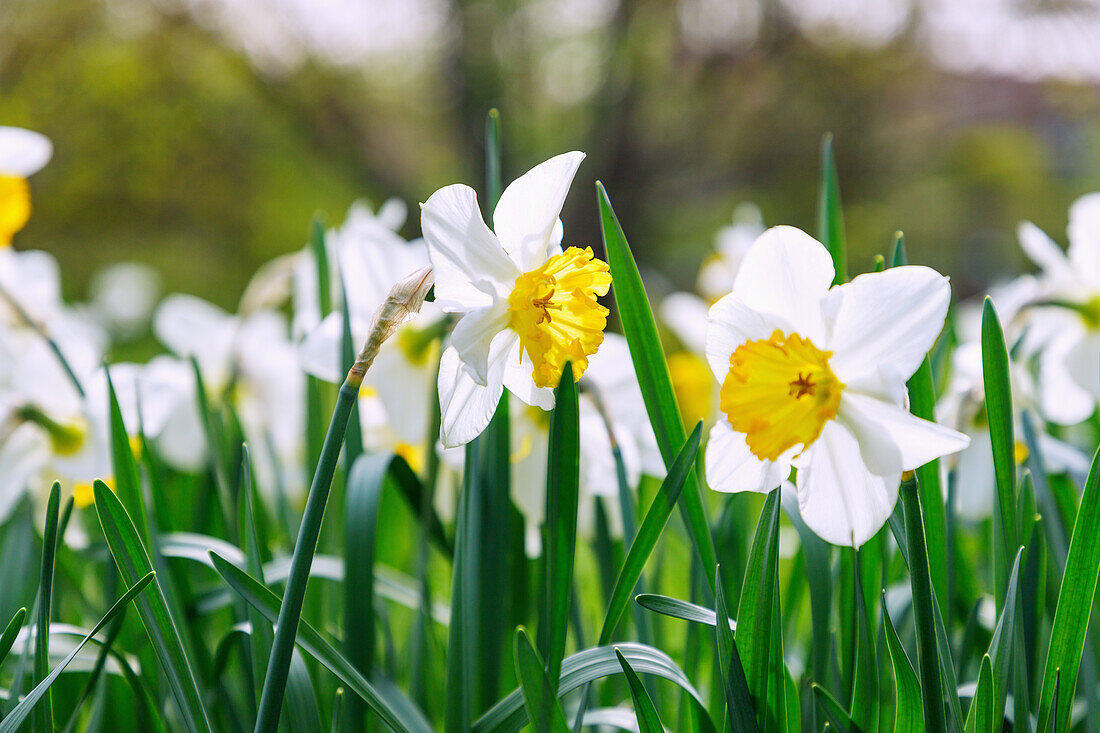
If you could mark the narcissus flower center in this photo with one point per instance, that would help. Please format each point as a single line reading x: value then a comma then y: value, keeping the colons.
x: 693, y: 385
x: 555, y: 312
x: 15, y: 206
x: 779, y: 392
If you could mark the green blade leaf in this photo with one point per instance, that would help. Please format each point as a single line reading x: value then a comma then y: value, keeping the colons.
x: 10, y: 632
x: 261, y: 637
x: 395, y: 711
x: 756, y: 615
x: 649, y: 362
x: 127, y: 478
x: 1071, y: 617
x: 538, y: 694
x: 648, y: 719
x: 908, y: 710
x: 303, y: 714
x: 998, y: 409
x: 1001, y: 647
x: 739, y: 703
x: 44, y: 714
x: 19, y: 713
x: 830, y: 218
x: 980, y: 717
x: 267, y: 719
x: 648, y: 534
x: 562, y: 497
x: 133, y: 564
x: 683, y: 610
x: 834, y: 711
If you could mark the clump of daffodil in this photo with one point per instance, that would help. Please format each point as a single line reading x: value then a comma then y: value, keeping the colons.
x: 527, y: 306
x: 22, y: 154
x: 813, y: 378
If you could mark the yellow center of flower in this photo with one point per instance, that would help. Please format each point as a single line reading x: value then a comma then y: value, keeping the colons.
x: 779, y: 392
x: 413, y: 455
x: 15, y: 206
x: 555, y: 312
x: 1020, y: 453
x: 693, y: 385
x: 84, y: 494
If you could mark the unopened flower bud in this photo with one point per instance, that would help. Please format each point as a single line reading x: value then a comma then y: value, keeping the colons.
x: 404, y: 300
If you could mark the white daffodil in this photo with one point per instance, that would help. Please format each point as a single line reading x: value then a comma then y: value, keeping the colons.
x: 396, y: 397
x: 813, y: 378
x: 22, y: 154
x: 526, y: 305
x: 1069, y: 324
x: 963, y: 407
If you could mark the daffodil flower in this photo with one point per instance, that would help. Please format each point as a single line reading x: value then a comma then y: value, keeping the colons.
x: 526, y: 305
x: 813, y: 378
x: 22, y: 154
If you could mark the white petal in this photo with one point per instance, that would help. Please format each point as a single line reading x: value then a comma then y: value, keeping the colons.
x: 467, y: 260
x: 975, y: 480
x: 528, y: 209
x: 891, y: 439
x: 1060, y: 457
x: 190, y: 326
x: 519, y: 379
x: 730, y: 323
x: 1084, y: 237
x: 841, y: 500
x: 731, y: 467
x: 1062, y: 399
x: 474, y: 333
x: 686, y: 315
x: 23, y: 152
x: 1083, y: 363
x: 405, y: 389
x: 466, y: 407
x: 887, y: 318
x: 319, y: 351
x: 787, y: 272
x: 1042, y: 250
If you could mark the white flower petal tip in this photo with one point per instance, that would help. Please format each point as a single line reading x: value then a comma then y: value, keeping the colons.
x: 732, y: 468
x: 23, y: 152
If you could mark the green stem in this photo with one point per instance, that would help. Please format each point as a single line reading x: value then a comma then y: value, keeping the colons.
x: 290, y: 612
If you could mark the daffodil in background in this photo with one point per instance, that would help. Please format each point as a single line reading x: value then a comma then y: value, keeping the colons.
x: 813, y: 378
x: 22, y: 154
x: 526, y: 306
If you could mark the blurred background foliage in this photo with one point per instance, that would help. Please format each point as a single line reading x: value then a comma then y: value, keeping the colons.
x: 200, y: 136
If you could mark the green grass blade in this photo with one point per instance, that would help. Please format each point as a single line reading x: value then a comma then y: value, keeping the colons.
x: 493, y: 178
x: 538, y: 694
x: 649, y: 532
x: 649, y: 362
x: 43, y: 719
x: 648, y: 719
x: 19, y: 713
x: 588, y: 665
x: 834, y: 711
x: 267, y: 719
x: 1071, y: 617
x: 830, y: 218
x: 1002, y: 645
x: 399, y: 714
x: 415, y: 494
x: 463, y: 640
x: 755, y: 614
x: 562, y: 497
x: 908, y: 709
x: 261, y: 638
x: 676, y: 608
x: 364, y: 494
x: 320, y: 257
x: 819, y: 575
x: 980, y: 717
x: 739, y: 703
x: 133, y: 564
x: 928, y: 659
x: 864, y: 703
x: 353, y: 437
x: 127, y: 477
x: 10, y: 632
x: 338, y: 711
x: 998, y: 409
x: 302, y: 711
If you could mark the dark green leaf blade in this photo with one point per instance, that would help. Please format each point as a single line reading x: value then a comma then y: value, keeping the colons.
x: 648, y: 719
x: 538, y: 695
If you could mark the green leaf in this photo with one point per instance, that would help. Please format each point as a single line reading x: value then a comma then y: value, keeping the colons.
x: 908, y: 710
x: 10, y: 632
x: 19, y: 714
x: 538, y: 694
x: 830, y: 219
x: 649, y: 533
x: 756, y: 614
x: 683, y: 610
x: 261, y: 637
x: 267, y: 719
x: 1001, y: 647
x: 648, y: 719
x: 1075, y: 597
x: 980, y: 717
x: 493, y: 185
x: 303, y: 714
x: 864, y: 707
x: 338, y: 711
x: 562, y: 497
x: 588, y: 665
x: 127, y: 478
x: 928, y: 657
x: 133, y: 564
x: 43, y: 719
x: 649, y: 362
x: 320, y: 257
x: 739, y: 703
x: 396, y: 712
x: 998, y: 409
x: 819, y: 575
x: 834, y: 711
